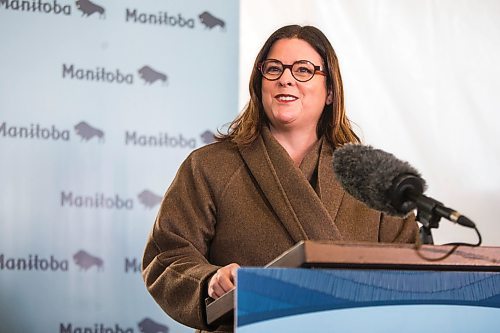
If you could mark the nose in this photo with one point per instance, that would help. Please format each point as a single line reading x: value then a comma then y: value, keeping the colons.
x: 286, y: 78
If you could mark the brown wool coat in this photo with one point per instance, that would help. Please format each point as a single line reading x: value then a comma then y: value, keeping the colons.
x: 248, y: 204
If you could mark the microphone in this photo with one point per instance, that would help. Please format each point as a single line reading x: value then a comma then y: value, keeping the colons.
x: 387, y: 184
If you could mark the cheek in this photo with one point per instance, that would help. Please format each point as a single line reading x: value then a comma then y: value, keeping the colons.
x: 266, y: 96
x: 317, y: 98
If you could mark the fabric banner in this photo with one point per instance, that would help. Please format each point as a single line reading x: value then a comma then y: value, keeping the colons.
x: 100, y: 102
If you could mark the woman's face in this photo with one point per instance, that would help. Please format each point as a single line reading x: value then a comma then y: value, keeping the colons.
x: 288, y: 103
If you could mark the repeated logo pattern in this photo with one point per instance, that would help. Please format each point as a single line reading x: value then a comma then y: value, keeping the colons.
x: 150, y: 75
x: 207, y: 137
x: 33, y: 131
x: 85, y: 260
x: 92, y: 72
x: 211, y: 21
x: 102, y: 74
x: 147, y: 325
x: 88, y: 8
x: 52, y: 7
x: 87, y: 132
x: 33, y: 262
x: 149, y: 199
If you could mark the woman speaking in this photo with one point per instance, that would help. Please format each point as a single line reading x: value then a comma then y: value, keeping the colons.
x: 267, y: 183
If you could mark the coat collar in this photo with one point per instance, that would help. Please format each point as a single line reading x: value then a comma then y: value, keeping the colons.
x: 304, y: 213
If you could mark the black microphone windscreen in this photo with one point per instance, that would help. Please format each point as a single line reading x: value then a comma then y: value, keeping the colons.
x: 368, y: 174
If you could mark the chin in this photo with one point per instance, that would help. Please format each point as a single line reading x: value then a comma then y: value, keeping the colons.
x: 285, y: 119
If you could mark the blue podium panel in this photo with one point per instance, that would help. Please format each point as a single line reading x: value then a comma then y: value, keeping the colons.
x: 344, y: 300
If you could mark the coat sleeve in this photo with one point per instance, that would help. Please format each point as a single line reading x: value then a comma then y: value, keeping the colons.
x: 175, y: 266
x: 398, y: 230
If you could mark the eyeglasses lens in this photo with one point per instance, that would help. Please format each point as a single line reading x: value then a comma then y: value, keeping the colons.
x: 301, y: 70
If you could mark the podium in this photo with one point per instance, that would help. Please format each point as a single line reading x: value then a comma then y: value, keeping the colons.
x: 366, y: 281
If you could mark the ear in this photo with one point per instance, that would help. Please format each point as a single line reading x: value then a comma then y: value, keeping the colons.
x: 329, y: 98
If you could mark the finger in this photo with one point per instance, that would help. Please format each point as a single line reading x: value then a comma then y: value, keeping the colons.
x: 215, y: 291
x: 224, y: 281
x: 215, y: 288
x: 219, y: 284
x: 211, y: 286
x: 233, y: 272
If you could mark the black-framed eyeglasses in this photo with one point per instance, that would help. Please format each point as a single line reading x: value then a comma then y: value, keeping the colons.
x: 302, y: 70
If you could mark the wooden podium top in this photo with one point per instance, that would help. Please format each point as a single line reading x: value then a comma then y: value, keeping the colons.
x: 369, y: 256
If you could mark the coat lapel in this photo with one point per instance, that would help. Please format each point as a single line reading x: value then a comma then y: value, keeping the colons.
x: 329, y: 189
x: 298, y: 207
x: 258, y: 161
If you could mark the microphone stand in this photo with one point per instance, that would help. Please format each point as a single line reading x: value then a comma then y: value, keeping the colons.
x: 429, y: 220
x: 428, y: 214
x: 406, y: 195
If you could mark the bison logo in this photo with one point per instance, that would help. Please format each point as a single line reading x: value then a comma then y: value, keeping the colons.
x: 87, y: 132
x: 149, y: 326
x: 149, y: 199
x: 207, y: 137
x: 150, y: 75
x: 211, y: 21
x: 88, y: 8
x: 85, y: 260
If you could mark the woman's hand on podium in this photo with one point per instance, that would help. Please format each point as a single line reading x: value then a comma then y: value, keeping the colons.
x: 222, y: 281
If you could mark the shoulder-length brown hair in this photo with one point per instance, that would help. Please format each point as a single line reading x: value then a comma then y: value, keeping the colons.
x: 333, y: 123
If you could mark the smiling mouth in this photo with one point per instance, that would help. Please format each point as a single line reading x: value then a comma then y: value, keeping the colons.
x: 286, y: 98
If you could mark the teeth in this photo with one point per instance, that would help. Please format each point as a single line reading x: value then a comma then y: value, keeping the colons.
x: 287, y: 98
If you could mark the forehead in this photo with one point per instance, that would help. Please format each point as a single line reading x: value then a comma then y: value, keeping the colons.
x: 289, y: 50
